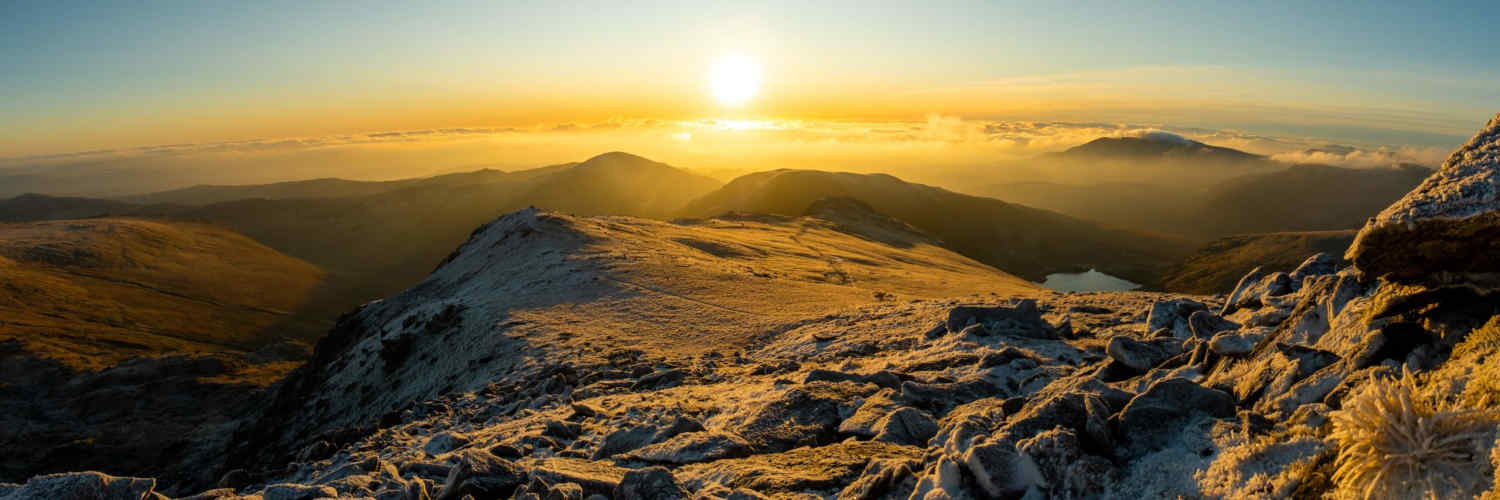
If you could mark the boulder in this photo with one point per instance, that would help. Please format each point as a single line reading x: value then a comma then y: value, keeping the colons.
x: 651, y: 483
x: 1448, y: 224
x: 1237, y: 343
x: 1320, y: 264
x: 1146, y: 423
x: 881, y: 478
x: 906, y: 426
x: 1172, y: 315
x: 482, y: 475
x: 1021, y: 318
x: 297, y: 492
x: 863, y: 422
x: 1205, y: 324
x: 1141, y: 356
x: 1000, y: 470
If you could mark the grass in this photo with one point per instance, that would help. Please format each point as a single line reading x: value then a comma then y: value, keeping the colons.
x: 1396, y: 443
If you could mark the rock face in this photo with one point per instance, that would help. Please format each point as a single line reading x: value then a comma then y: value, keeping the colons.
x: 1450, y: 223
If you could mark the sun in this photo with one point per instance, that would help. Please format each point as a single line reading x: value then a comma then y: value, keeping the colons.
x: 734, y: 79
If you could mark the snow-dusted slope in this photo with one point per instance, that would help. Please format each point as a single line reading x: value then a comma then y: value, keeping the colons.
x: 536, y: 284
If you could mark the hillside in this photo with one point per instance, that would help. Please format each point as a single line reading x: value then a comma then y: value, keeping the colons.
x: 92, y: 292
x: 34, y: 207
x: 1028, y: 242
x: 1217, y: 267
x: 1290, y: 198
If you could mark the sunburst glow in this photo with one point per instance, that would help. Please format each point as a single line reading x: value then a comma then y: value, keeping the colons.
x: 734, y: 79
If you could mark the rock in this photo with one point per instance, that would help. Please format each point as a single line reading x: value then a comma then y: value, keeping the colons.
x: 482, y: 475
x: 1253, y: 290
x: 1205, y: 324
x: 881, y: 478
x: 234, y: 479
x: 807, y: 414
x: 1141, y: 356
x: 1234, y: 343
x: 83, y: 486
x: 297, y: 492
x: 444, y: 442
x: 651, y: 483
x: 565, y: 491
x: 1146, y: 423
x: 660, y: 380
x: 1021, y: 318
x: 596, y: 478
x: 1450, y: 223
x: 906, y: 426
x: 966, y: 423
x: 863, y: 422
x: 625, y: 440
x: 1000, y: 470
x: 1068, y: 471
x: 1320, y: 264
x: 694, y: 447
x: 940, y: 397
x: 1172, y: 315
x: 1313, y: 415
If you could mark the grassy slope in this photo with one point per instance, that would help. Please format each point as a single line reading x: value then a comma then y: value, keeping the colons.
x: 93, y: 292
x: 1025, y: 241
x: 1218, y: 266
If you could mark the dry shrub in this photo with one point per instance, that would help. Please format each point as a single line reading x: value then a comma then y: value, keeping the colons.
x: 1393, y: 443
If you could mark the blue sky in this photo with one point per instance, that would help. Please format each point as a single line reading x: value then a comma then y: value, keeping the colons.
x: 80, y: 75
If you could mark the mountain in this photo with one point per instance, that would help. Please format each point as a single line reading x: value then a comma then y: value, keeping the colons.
x: 31, y: 207
x: 765, y: 356
x: 120, y: 337
x: 1217, y: 267
x: 1154, y: 147
x: 535, y: 287
x: 1025, y: 241
x: 1292, y: 198
x: 93, y: 292
x: 314, y: 188
x: 1307, y: 198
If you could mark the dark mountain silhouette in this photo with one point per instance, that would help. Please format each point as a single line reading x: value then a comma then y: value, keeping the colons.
x: 1021, y: 240
x: 32, y: 207
x: 1156, y: 146
x: 1216, y: 267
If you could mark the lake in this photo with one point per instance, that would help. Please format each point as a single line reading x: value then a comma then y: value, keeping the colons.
x: 1091, y: 281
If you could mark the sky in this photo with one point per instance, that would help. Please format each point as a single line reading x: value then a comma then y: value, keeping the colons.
x: 84, y: 77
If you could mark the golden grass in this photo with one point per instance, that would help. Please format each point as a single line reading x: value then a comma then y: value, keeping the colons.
x: 1395, y: 443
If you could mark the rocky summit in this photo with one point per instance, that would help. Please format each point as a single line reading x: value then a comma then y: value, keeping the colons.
x: 1448, y: 224
x: 748, y: 356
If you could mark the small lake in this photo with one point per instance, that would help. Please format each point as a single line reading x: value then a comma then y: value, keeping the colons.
x: 1091, y: 281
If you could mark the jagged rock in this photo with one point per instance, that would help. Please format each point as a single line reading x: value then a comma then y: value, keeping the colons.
x: 297, y: 492
x: 906, y: 426
x: 1450, y: 223
x: 1205, y: 324
x: 881, y: 378
x: 694, y: 447
x: 482, y: 475
x: 1146, y: 422
x: 444, y: 442
x: 940, y: 397
x: 1320, y: 264
x: 651, y: 483
x: 881, y: 478
x: 830, y: 467
x: 1022, y: 318
x: 82, y: 486
x: 1172, y: 315
x: 1234, y: 343
x: 631, y: 438
x: 1141, y: 356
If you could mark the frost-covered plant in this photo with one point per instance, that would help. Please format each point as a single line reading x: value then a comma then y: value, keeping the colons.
x: 1395, y: 444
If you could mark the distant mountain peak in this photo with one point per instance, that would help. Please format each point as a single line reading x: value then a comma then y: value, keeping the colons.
x: 1155, y: 144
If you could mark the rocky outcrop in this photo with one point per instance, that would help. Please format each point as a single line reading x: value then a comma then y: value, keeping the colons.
x: 1449, y: 224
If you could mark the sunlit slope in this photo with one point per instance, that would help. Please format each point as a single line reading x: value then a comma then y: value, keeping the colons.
x: 92, y: 292
x: 1025, y: 241
x: 1217, y: 266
